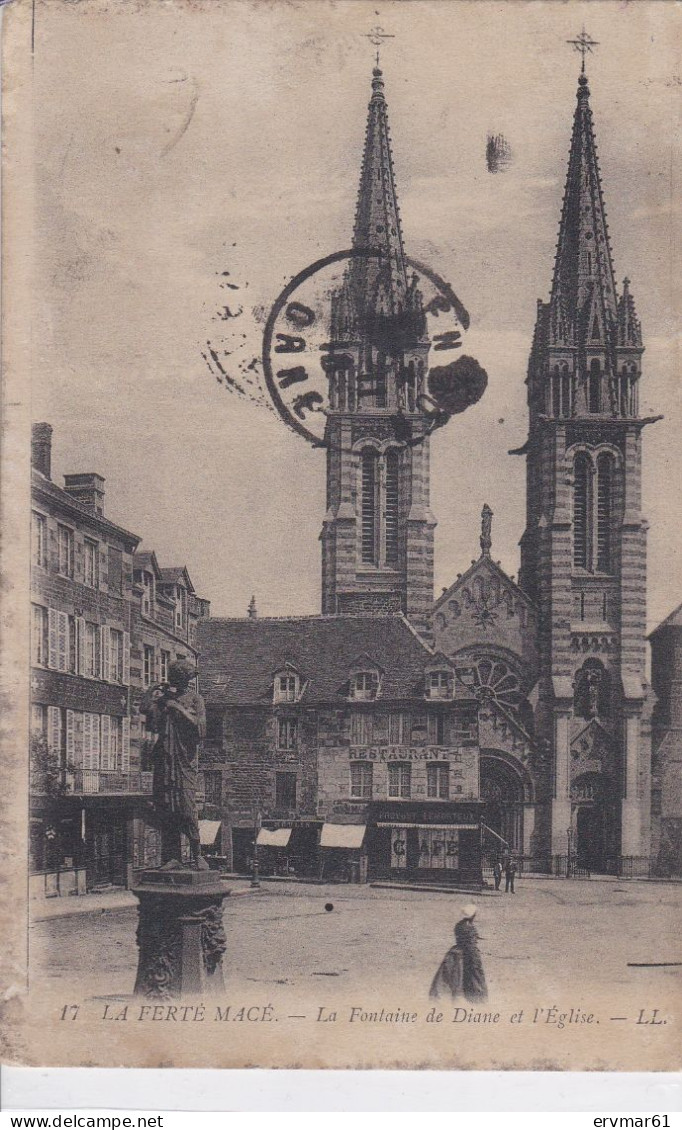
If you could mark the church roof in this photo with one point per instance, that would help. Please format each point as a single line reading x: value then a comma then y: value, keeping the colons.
x: 486, y: 564
x: 238, y: 657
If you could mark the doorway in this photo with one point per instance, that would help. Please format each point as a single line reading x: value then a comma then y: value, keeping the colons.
x: 590, y: 837
x: 502, y: 792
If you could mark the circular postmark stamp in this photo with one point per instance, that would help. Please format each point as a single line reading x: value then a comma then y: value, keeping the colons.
x: 303, y: 354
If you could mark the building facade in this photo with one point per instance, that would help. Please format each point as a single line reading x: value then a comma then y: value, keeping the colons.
x: 92, y: 632
x: 345, y: 741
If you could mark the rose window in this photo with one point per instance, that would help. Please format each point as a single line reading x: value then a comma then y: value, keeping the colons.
x: 494, y: 679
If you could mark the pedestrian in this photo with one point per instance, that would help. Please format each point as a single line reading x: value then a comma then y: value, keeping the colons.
x: 509, y: 875
x: 497, y: 874
x: 460, y: 973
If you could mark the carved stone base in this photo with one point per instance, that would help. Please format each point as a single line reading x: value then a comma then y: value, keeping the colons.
x: 180, y: 934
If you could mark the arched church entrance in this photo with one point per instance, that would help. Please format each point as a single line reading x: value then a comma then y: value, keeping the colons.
x: 502, y: 793
x: 594, y: 822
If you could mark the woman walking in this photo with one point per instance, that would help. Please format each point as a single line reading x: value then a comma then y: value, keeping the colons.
x: 461, y: 971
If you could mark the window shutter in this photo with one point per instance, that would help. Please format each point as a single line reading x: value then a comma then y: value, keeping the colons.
x: 87, y: 741
x: 62, y: 641
x: 126, y: 659
x: 70, y: 737
x: 95, y: 741
x: 105, y: 645
x: 80, y: 645
x: 52, y: 631
x: 77, y: 758
x: 105, y: 759
x: 54, y: 729
x: 125, y: 752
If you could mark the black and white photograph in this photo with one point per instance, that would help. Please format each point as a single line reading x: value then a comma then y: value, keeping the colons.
x: 342, y: 561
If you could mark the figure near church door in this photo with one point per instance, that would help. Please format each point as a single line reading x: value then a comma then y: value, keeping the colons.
x: 176, y: 714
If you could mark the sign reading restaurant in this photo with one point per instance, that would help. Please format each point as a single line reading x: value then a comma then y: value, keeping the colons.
x: 407, y: 753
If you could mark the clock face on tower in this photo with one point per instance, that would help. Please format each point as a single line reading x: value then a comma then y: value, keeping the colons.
x: 324, y: 352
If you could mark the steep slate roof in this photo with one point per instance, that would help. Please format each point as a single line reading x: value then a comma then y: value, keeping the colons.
x: 41, y: 484
x: 146, y: 561
x: 674, y: 620
x: 175, y: 574
x: 238, y: 657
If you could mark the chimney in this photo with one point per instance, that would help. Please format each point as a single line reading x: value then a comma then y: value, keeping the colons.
x: 253, y: 614
x: 41, y: 448
x: 88, y: 489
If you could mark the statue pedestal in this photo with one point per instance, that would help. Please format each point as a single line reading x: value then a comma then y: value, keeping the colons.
x: 180, y: 933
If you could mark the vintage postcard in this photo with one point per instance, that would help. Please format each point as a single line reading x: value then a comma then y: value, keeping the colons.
x: 342, y: 653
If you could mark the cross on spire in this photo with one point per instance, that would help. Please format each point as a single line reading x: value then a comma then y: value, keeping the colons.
x: 377, y: 36
x: 584, y: 44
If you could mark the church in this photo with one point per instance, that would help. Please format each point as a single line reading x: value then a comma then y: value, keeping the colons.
x: 392, y: 736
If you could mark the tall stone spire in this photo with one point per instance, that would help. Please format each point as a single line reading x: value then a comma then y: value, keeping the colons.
x: 586, y: 356
x: 377, y: 536
x: 380, y: 284
x: 583, y: 299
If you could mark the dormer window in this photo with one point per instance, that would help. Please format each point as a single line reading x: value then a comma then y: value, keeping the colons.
x: 287, y: 687
x: 364, y: 685
x: 438, y: 684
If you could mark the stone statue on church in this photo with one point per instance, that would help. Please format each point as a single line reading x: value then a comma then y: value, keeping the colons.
x: 176, y: 714
x: 486, y: 530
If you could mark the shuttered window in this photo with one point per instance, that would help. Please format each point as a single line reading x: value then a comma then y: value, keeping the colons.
x: 370, y: 482
x: 581, y: 510
x: 392, y: 497
x: 604, y: 512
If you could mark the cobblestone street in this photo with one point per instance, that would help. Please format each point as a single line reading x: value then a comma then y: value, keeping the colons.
x: 550, y: 934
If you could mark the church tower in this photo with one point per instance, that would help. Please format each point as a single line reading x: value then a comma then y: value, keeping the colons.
x: 583, y: 553
x: 377, y: 535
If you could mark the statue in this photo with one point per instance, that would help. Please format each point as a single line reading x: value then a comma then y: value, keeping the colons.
x: 486, y: 530
x: 593, y: 685
x: 176, y: 714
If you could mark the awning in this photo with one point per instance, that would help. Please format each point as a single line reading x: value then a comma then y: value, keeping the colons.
x: 277, y: 838
x: 208, y: 832
x: 342, y: 835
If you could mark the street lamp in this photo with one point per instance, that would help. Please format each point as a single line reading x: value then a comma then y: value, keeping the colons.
x: 255, y: 880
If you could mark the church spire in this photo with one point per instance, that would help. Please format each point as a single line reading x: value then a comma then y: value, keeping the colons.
x: 379, y: 285
x: 583, y: 310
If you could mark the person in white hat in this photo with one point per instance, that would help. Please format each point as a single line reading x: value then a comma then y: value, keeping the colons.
x: 461, y: 970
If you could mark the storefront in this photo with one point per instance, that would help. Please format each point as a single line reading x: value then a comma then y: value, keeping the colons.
x: 428, y: 843
x: 342, y: 854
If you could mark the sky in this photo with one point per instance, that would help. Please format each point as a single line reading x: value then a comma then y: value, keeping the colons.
x: 175, y: 142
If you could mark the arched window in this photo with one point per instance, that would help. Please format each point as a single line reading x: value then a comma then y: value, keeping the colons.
x: 604, y: 512
x: 392, y: 497
x: 593, y: 386
x: 582, y: 481
x: 370, y: 508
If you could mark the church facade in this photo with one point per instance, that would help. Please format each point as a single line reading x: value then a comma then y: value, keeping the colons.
x: 546, y: 678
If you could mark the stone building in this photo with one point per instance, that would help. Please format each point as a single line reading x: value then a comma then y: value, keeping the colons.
x: 554, y: 664
x: 666, y: 795
x: 92, y: 631
x: 347, y: 740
